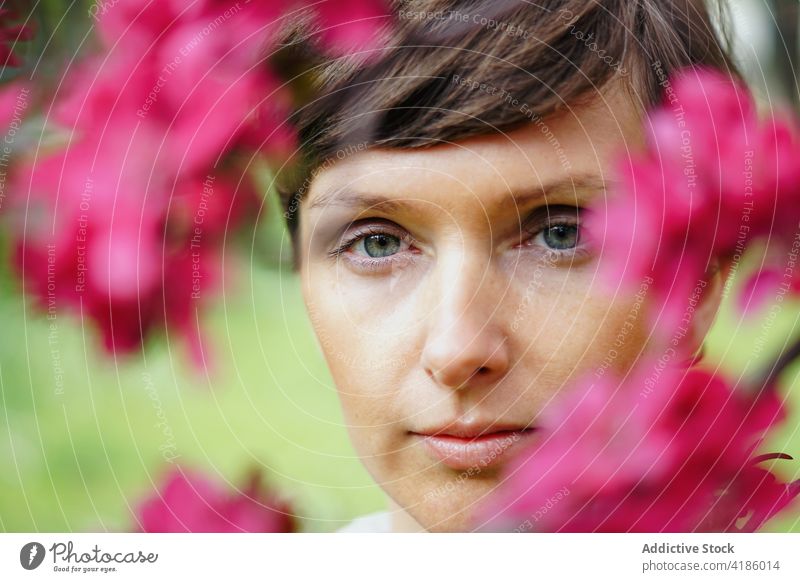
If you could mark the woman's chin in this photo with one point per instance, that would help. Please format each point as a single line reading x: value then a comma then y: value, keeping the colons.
x: 443, y: 500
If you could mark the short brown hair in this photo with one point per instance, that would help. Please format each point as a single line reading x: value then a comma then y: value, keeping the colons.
x: 547, y: 55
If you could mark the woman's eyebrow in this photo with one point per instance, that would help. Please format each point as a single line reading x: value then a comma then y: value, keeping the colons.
x: 360, y: 200
x: 571, y: 185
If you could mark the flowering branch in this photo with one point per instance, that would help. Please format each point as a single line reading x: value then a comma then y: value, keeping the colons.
x: 127, y: 224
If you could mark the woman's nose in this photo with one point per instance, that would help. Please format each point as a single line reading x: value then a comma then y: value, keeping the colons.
x: 466, y: 343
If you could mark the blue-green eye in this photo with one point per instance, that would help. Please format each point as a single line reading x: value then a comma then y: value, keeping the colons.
x: 561, y: 237
x: 379, y: 245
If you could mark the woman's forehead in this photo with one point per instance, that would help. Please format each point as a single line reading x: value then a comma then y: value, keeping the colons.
x: 563, y: 153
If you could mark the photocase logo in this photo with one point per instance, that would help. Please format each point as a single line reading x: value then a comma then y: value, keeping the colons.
x: 31, y: 555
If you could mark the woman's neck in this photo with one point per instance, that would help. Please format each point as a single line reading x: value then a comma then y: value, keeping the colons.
x: 402, y: 522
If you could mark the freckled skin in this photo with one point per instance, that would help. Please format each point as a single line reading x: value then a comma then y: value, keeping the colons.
x: 468, y: 323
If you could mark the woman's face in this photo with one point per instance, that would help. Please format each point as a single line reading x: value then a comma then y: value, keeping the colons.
x: 453, y: 294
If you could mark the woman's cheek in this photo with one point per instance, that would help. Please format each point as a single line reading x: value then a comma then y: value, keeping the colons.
x: 361, y: 333
x: 607, y: 336
x: 379, y: 312
x: 572, y: 322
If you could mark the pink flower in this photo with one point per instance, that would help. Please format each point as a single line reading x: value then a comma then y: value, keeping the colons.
x: 764, y: 285
x: 347, y: 25
x: 191, y: 502
x: 97, y: 241
x: 350, y: 25
x: 124, y: 230
x: 664, y: 450
x: 713, y: 179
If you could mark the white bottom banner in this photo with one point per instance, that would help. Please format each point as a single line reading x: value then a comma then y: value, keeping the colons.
x: 405, y: 557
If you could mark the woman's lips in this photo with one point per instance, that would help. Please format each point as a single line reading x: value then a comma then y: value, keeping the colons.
x: 481, y: 451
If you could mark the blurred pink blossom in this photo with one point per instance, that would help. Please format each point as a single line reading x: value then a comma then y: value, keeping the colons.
x: 712, y: 179
x: 662, y: 450
x: 350, y: 25
x: 778, y: 278
x: 126, y: 225
x: 127, y: 261
x: 191, y: 502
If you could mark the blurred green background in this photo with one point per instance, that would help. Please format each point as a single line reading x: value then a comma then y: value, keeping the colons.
x: 79, y: 453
